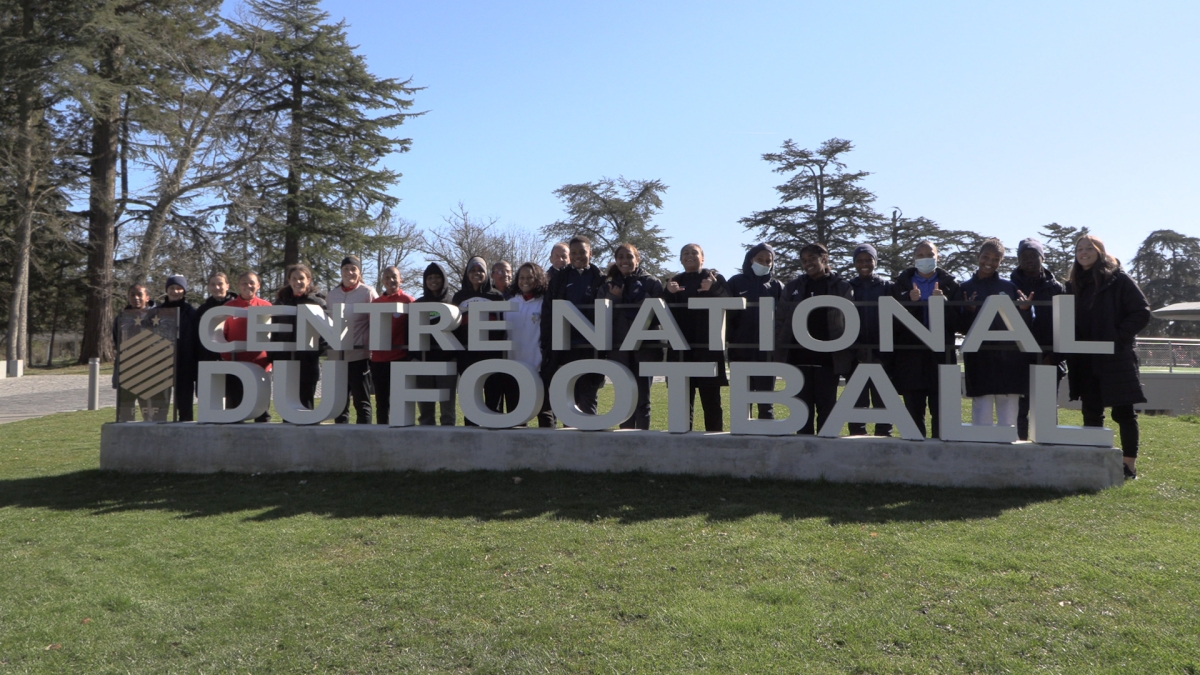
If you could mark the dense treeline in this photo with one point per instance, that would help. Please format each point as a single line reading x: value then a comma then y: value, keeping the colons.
x: 141, y: 138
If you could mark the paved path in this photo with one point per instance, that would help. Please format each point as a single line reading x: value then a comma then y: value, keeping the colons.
x: 23, y: 398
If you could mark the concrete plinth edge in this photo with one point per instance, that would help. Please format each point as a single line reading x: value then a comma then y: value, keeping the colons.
x: 276, y: 448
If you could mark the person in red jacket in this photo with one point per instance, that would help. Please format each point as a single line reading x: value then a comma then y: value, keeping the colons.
x: 381, y: 360
x: 235, y: 330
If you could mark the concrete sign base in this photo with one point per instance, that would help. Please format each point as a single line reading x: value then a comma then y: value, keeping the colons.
x: 276, y: 448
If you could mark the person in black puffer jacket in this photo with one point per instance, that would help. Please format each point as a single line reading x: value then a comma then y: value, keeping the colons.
x: 1109, y: 307
x: 187, y: 363
x: 741, y: 327
x: 434, y: 289
x: 821, y: 369
x: 916, y: 373
x: 300, y: 291
x: 218, y: 294
x: 627, y: 285
x: 579, y: 283
x: 869, y: 287
x: 697, y: 282
x: 476, y: 287
x: 1036, y: 284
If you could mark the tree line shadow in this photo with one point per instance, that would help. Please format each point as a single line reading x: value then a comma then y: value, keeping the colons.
x: 486, y: 495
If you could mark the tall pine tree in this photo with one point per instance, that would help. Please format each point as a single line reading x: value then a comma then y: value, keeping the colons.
x: 821, y: 202
x: 334, y: 117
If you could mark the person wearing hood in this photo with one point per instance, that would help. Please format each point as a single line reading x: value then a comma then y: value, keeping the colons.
x: 627, y: 285
x: 1036, y: 284
x: 382, y: 359
x: 997, y: 376
x: 187, y: 346
x: 475, y: 288
x: 300, y: 289
x: 698, y: 282
x: 435, y: 289
x: 821, y: 369
x: 579, y: 283
x: 218, y: 294
x: 754, y: 283
x: 1109, y: 307
x: 350, y: 292
x: 154, y: 408
x: 869, y: 287
x: 916, y: 372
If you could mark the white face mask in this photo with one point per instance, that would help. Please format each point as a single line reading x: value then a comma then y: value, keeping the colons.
x: 926, y: 265
x: 759, y: 269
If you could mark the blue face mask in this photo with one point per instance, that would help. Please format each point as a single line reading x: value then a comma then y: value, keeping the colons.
x: 926, y: 265
x: 759, y: 269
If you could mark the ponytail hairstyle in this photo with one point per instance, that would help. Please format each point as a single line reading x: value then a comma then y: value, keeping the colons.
x: 1100, y: 272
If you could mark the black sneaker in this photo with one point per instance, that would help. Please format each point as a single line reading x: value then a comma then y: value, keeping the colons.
x: 1130, y: 474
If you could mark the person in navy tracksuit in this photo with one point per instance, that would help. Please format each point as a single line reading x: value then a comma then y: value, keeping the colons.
x: 754, y: 283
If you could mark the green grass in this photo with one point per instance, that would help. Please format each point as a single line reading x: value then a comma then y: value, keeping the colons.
x: 558, y: 572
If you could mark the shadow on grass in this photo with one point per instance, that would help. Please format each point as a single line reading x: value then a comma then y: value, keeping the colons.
x: 627, y: 498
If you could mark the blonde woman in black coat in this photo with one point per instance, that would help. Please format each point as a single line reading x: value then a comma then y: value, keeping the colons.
x: 1109, y: 307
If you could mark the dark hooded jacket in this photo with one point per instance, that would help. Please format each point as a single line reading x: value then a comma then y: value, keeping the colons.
x: 828, y: 324
x: 435, y: 352
x: 636, y: 287
x: 466, y: 293
x: 581, y: 289
x: 187, y: 348
x: 1039, y: 318
x: 693, y: 323
x: 202, y: 353
x: 915, y: 366
x: 998, y: 367
x: 285, y: 296
x: 870, y: 289
x: 1114, y: 311
x: 741, y: 327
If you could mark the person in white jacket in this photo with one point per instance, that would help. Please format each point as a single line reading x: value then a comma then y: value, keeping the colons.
x: 525, y: 328
x: 353, y: 291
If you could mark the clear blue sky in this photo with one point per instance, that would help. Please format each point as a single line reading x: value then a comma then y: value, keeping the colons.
x: 995, y: 117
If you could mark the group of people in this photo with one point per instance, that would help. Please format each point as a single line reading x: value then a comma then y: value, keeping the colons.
x: 1109, y: 307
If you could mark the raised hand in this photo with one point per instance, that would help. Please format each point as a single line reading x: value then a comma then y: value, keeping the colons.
x: 706, y: 284
x: 936, y: 290
x: 972, y: 308
x: 914, y: 294
x: 1024, y: 301
x: 673, y: 286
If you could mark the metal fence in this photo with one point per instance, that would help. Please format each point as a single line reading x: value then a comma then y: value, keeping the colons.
x: 1168, y: 353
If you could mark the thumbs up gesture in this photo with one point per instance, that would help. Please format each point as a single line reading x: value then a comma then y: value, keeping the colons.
x: 914, y: 294
x: 936, y: 290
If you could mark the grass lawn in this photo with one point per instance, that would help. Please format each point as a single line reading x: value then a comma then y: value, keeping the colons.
x: 557, y: 572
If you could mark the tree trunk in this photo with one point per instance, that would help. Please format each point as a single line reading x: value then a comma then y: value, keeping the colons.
x: 291, y: 241
x: 18, y: 315
x: 97, y: 326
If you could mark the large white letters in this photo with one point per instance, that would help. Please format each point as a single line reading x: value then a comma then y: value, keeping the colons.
x: 566, y: 316
x: 741, y: 398
x: 478, y: 325
x: 893, y: 411
x: 1064, y: 330
x: 934, y: 336
x: 470, y: 393
x: 256, y: 392
x: 716, y: 317
x: 640, y: 330
x: 823, y: 302
x: 334, y: 378
x: 211, y: 336
x: 679, y: 391
x: 421, y: 326
x: 981, y: 331
x: 406, y: 394
x: 562, y: 394
x: 1043, y: 414
x: 950, y: 410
